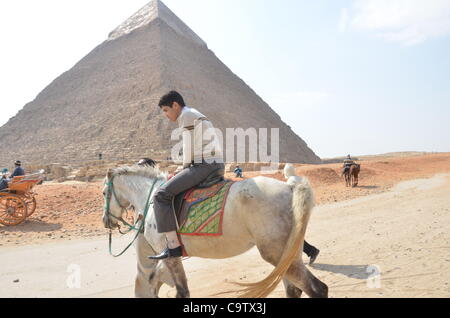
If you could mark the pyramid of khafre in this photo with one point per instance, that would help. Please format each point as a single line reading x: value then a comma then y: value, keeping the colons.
x: 107, y: 103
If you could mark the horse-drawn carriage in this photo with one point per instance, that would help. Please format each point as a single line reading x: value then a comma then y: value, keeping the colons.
x: 18, y: 201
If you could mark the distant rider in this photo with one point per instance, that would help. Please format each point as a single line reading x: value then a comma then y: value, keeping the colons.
x: 348, y: 162
x: 238, y: 172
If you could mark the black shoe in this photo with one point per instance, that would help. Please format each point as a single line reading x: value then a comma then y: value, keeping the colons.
x: 313, y: 256
x: 176, y: 252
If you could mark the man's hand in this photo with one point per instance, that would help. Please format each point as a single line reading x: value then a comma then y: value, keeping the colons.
x: 179, y: 169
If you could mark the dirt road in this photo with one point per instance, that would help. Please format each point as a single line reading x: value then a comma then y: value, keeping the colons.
x: 392, y: 244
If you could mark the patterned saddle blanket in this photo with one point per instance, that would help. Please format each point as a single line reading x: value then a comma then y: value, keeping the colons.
x: 200, y: 211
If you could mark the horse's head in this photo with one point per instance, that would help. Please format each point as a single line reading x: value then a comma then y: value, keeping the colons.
x: 115, y: 203
x: 124, y: 188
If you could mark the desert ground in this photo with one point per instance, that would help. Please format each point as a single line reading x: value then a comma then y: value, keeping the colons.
x: 388, y: 237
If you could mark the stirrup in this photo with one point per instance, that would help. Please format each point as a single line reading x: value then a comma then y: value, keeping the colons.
x: 167, y: 253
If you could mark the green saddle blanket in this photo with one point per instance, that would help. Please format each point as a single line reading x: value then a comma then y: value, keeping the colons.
x: 204, y: 209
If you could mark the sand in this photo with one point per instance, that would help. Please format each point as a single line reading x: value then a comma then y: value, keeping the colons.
x: 387, y: 238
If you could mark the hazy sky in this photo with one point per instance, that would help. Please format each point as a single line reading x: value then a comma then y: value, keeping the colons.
x: 349, y: 76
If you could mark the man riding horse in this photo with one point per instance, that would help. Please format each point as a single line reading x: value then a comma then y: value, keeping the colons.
x: 348, y: 162
x: 197, y: 167
x: 263, y: 212
x: 253, y: 215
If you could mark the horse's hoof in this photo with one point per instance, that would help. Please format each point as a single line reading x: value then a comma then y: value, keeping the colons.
x: 168, y: 253
x: 314, y: 256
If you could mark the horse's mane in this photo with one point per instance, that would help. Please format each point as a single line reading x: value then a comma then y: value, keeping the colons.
x: 139, y: 171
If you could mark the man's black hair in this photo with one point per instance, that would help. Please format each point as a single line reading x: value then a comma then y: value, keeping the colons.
x: 170, y: 98
x: 147, y: 162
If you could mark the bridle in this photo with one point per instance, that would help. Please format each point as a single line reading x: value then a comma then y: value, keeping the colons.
x: 107, y: 209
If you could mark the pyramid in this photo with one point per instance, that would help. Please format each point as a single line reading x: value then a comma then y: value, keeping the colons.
x: 107, y: 103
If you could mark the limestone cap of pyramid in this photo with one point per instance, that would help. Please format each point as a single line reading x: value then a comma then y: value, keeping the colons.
x: 152, y: 11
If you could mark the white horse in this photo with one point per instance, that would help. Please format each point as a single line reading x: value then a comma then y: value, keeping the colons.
x: 265, y: 212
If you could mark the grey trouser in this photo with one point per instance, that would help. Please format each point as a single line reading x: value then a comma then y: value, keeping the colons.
x: 185, y: 180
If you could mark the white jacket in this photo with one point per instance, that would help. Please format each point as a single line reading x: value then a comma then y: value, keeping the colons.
x: 200, y: 140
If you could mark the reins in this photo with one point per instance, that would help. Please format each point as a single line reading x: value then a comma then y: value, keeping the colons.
x: 107, y: 208
x: 139, y: 230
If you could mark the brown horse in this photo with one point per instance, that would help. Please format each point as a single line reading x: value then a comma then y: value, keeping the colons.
x: 353, y: 174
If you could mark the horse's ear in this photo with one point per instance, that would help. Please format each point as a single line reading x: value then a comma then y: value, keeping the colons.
x: 110, y: 173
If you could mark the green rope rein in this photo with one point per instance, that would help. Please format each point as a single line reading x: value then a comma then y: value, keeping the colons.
x: 131, y: 227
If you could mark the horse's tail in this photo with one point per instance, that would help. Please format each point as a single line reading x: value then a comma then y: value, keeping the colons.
x: 302, y: 205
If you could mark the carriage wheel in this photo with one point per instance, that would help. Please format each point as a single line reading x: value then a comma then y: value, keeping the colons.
x: 31, y: 205
x: 13, y: 210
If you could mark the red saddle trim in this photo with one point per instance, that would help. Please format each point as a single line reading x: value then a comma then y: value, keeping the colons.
x: 221, y: 211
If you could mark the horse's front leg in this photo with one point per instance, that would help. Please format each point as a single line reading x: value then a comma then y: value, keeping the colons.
x: 176, y: 270
x: 155, y: 281
x: 155, y: 284
x: 159, y: 277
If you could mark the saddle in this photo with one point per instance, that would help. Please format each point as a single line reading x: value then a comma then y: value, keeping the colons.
x: 348, y: 166
x: 199, y: 210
